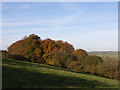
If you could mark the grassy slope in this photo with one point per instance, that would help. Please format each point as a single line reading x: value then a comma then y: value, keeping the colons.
x: 31, y: 75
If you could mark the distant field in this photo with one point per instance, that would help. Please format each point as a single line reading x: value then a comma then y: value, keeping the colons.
x: 21, y: 74
x: 111, y: 54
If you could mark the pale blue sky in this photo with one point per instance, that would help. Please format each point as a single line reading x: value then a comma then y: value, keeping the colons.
x: 90, y: 26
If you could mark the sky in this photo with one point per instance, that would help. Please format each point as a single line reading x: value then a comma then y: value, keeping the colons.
x: 92, y: 26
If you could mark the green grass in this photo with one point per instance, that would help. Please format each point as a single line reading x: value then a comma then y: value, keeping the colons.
x: 21, y: 74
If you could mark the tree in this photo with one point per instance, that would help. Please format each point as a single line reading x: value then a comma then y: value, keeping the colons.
x: 33, y: 50
x: 60, y: 58
x: 68, y: 48
x: 17, y: 48
x: 48, y: 46
x: 80, y: 54
x: 92, y: 60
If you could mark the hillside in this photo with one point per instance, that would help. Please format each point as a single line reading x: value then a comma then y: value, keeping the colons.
x: 21, y: 74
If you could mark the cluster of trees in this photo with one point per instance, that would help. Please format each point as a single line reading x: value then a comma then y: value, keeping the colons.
x: 39, y: 51
x: 60, y: 54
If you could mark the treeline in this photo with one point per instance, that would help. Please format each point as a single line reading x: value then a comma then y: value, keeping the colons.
x: 60, y: 54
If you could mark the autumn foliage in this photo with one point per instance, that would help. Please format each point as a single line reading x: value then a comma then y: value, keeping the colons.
x: 59, y: 54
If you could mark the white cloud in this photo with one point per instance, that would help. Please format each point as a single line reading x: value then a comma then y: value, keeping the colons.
x: 58, y: 23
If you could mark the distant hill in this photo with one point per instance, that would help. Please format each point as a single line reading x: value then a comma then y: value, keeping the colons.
x: 111, y: 54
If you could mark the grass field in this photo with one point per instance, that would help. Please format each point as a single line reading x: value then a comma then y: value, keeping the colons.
x: 21, y: 74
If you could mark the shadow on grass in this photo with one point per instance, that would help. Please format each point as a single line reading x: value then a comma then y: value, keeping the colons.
x: 25, y: 63
x: 22, y: 78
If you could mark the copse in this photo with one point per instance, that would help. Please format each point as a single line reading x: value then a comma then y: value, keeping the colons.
x: 48, y: 51
x: 37, y: 50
